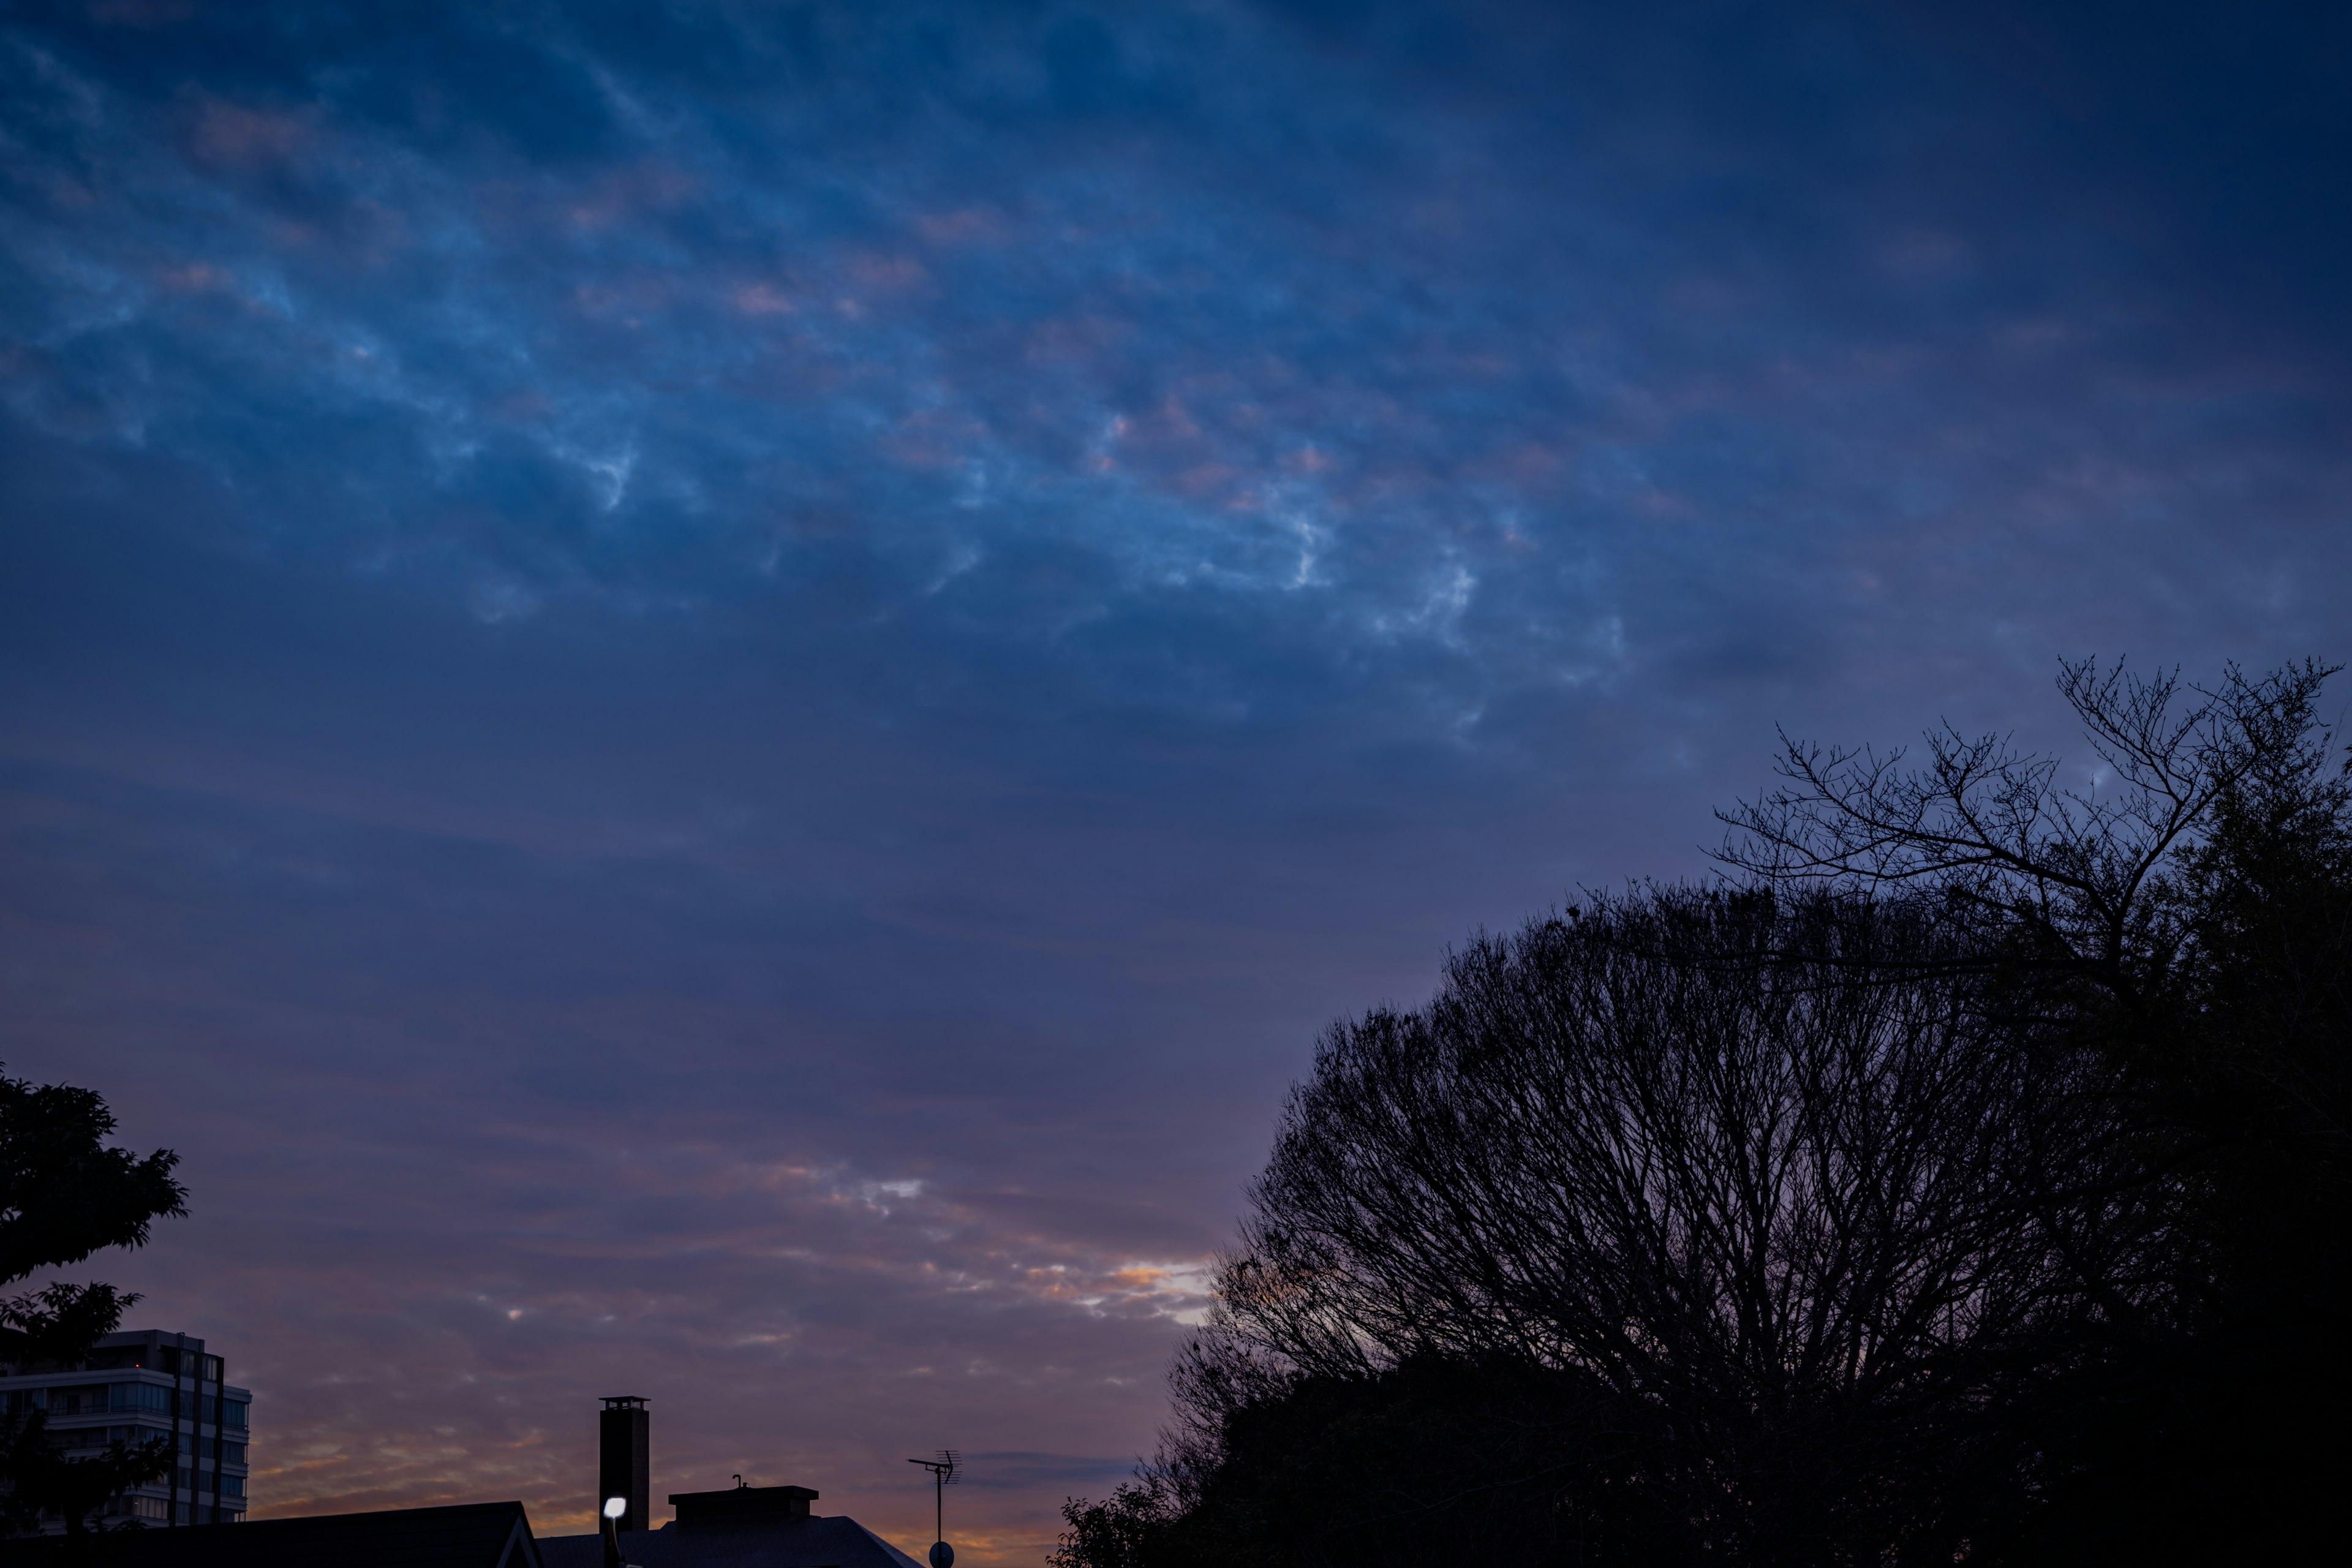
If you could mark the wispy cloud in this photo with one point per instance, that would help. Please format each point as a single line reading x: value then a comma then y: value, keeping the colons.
x: 709, y: 699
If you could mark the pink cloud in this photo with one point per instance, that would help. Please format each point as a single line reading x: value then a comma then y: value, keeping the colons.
x: 759, y: 299
x: 965, y: 226
x: 232, y: 135
x: 881, y: 272
x: 632, y: 191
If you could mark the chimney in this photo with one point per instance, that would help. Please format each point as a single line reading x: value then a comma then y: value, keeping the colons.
x: 621, y: 1467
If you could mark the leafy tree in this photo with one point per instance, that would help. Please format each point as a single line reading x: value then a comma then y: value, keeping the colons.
x: 64, y: 1195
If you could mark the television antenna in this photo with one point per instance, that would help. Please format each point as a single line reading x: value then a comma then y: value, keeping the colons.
x: 944, y: 1471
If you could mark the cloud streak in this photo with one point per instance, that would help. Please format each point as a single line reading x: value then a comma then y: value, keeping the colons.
x: 709, y: 699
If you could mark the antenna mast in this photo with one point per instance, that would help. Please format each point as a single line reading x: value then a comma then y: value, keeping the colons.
x: 944, y: 1471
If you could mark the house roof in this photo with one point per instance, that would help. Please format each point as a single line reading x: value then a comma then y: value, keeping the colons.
x: 469, y: 1535
x: 817, y: 1541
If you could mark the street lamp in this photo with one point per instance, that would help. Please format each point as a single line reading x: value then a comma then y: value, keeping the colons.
x: 614, y: 1507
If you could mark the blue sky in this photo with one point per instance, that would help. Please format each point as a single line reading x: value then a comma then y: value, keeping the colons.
x: 708, y: 697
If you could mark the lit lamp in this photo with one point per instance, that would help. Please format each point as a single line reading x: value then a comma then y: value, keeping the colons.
x: 614, y: 1507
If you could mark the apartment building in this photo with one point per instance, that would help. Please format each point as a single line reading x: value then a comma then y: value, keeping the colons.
x: 140, y: 1385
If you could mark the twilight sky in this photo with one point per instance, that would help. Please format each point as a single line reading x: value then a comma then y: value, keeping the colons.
x: 707, y: 698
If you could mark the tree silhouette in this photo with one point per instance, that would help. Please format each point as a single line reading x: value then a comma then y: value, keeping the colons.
x: 2191, y: 919
x: 64, y: 1195
x: 1966, y: 1178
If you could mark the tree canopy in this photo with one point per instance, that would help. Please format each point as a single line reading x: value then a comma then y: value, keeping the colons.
x: 1962, y: 1176
x: 66, y: 1194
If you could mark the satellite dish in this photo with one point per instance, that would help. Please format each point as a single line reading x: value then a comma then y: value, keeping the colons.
x: 942, y: 1555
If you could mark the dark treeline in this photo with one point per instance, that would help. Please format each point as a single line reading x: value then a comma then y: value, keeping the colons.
x: 1961, y: 1177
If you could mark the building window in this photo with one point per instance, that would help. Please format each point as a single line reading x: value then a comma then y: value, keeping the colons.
x: 189, y: 1363
x: 99, y: 1437
x: 232, y: 1414
x: 135, y: 1396
x: 90, y: 1400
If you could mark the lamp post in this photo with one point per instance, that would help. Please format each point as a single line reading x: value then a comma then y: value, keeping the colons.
x: 614, y: 1507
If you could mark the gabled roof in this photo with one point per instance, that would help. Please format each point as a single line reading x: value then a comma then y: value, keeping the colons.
x: 469, y: 1535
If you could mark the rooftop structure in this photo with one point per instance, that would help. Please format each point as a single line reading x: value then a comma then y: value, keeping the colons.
x: 739, y: 1527
x: 140, y: 1385
x: 471, y: 1535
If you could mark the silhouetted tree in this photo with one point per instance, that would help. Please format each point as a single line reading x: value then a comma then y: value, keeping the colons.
x: 64, y: 1195
x: 1799, y: 1203
x: 2190, y: 919
x: 1433, y: 1460
x: 1969, y: 1181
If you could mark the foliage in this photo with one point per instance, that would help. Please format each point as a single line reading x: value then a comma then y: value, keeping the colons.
x: 64, y: 1195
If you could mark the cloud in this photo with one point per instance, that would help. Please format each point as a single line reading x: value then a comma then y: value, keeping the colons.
x: 709, y: 700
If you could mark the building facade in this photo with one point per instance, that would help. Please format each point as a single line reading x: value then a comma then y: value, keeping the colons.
x: 143, y: 1385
